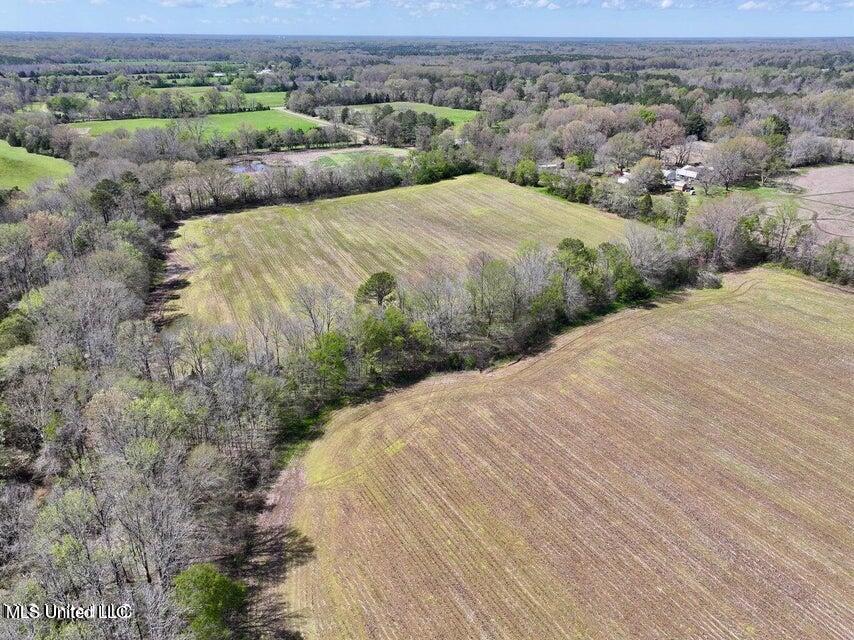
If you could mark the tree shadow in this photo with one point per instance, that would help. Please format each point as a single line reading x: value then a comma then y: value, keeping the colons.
x: 170, y: 278
x: 159, y: 307
x: 674, y: 295
x: 271, y: 552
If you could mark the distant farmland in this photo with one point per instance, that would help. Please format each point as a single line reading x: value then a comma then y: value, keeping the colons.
x: 225, y: 123
x: 678, y: 472
x: 266, y: 98
x: 258, y: 257
x: 458, y: 116
x: 19, y: 168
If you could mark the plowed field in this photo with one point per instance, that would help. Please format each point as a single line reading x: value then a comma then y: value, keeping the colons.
x: 258, y: 257
x: 673, y: 473
x: 828, y: 199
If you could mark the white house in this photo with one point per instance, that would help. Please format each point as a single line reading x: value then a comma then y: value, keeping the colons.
x: 688, y: 172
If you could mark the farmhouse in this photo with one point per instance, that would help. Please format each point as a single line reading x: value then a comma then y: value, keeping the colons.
x: 689, y: 172
x: 682, y: 178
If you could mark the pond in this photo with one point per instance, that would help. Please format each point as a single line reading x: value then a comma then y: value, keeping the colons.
x: 254, y: 166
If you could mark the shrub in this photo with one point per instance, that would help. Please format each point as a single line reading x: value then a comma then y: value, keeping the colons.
x: 708, y: 280
x: 583, y: 192
x: 15, y: 330
x: 525, y: 173
x: 376, y: 288
x: 210, y: 599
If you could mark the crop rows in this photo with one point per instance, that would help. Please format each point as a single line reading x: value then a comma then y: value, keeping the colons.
x: 680, y: 472
x: 256, y: 258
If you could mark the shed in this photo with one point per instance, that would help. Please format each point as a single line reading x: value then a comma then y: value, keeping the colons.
x: 688, y: 172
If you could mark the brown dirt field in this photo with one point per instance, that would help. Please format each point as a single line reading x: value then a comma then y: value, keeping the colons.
x: 827, y: 197
x: 677, y: 472
x: 304, y: 158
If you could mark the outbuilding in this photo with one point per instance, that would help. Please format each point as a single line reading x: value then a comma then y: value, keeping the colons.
x: 688, y: 172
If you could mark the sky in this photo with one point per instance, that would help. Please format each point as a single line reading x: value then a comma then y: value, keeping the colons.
x: 531, y: 18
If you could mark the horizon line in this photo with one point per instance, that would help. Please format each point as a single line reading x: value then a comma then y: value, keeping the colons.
x: 422, y: 37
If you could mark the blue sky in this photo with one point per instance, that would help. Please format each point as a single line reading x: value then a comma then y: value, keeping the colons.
x: 567, y: 18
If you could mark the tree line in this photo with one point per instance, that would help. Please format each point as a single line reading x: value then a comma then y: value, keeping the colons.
x: 151, y: 104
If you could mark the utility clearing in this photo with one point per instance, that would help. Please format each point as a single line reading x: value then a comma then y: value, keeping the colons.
x: 682, y: 471
x: 239, y: 262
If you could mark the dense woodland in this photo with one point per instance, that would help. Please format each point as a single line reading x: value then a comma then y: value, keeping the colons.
x: 132, y: 453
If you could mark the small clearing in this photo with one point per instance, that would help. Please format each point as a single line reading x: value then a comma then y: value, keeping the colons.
x: 19, y: 168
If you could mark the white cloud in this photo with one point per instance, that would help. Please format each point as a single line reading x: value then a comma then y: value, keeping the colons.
x: 142, y: 18
x: 425, y: 7
x: 524, y: 4
x: 182, y: 3
x: 351, y: 4
x: 419, y: 8
x: 198, y: 4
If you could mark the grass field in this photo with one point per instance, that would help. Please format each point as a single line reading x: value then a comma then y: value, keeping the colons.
x: 225, y: 123
x: 190, y: 91
x: 258, y: 257
x: 266, y: 98
x: 18, y: 168
x: 458, y: 116
x: 343, y: 158
x: 34, y: 106
x: 678, y: 472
